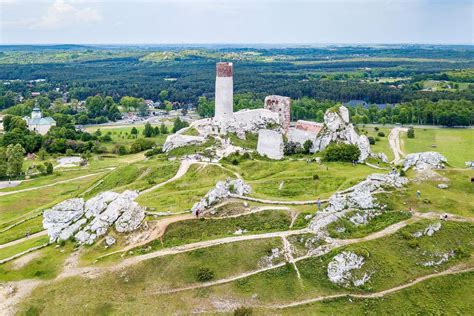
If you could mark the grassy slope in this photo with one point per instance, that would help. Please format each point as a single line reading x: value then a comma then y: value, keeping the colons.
x: 129, y: 291
x: 447, y: 295
x: 455, y: 144
x: 265, y: 178
x: 457, y: 199
x: 181, y: 194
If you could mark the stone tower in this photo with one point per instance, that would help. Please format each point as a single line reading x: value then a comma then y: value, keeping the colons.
x: 224, y: 101
x: 282, y: 106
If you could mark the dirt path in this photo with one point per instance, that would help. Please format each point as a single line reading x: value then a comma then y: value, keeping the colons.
x: 12, y: 243
x: 51, y: 184
x: 183, y: 168
x: 453, y: 270
x: 156, y: 232
x: 394, y: 141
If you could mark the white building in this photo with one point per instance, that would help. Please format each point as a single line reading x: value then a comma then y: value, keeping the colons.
x: 38, y: 123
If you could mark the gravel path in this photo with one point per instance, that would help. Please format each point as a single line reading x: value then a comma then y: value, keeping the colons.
x: 394, y: 141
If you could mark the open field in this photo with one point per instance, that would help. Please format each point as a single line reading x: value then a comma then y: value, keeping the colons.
x: 455, y: 144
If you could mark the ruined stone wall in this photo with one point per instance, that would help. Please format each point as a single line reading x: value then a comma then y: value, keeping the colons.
x: 224, y: 100
x: 270, y: 144
x: 282, y: 106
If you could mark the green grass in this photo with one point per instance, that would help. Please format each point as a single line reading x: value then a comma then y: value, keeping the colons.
x: 25, y: 245
x: 391, y: 260
x: 386, y: 219
x: 130, y: 290
x: 180, y: 195
x: 192, y: 149
x: 17, y: 206
x: 446, y: 295
x: 32, y: 226
x: 381, y: 145
x: 195, y: 230
x: 457, y: 145
x: 250, y: 141
x: 46, y: 265
x: 265, y: 178
x: 457, y: 199
x: 137, y: 176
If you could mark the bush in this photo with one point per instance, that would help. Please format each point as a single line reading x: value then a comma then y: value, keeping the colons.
x: 243, y: 311
x: 307, y: 146
x: 291, y: 148
x: 411, y: 132
x: 235, y: 162
x: 141, y: 144
x: 120, y: 150
x: 204, y: 274
x: 403, y: 173
x: 376, y: 128
x: 381, y: 134
x: 371, y: 140
x: 49, y: 167
x: 154, y: 151
x: 341, y: 152
x: 315, y: 177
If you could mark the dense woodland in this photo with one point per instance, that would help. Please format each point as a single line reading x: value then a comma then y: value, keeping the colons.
x: 407, y: 85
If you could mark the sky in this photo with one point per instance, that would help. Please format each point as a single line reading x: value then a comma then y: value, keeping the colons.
x: 237, y: 21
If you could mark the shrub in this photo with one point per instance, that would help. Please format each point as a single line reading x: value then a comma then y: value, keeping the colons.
x: 291, y: 148
x: 69, y: 152
x: 376, y: 128
x: 371, y: 140
x: 403, y: 173
x: 411, y: 132
x: 381, y: 134
x: 204, y: 274
x: 120, y: 150
x: 49, y: 167
x: 307, y: 146
x: 341, y: 152
x: 134, y: 131
x: 315, y: 177
x: 235, y: 161
x: 154, y: 151
x: 243, y: 311
x: 106, y: 138
x: 141, y: 144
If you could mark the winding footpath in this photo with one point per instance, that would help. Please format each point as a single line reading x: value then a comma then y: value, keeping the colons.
x: 394, y: 141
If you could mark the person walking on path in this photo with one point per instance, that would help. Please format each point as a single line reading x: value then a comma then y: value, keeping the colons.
x: 318, y: 203
x: 418, y: 194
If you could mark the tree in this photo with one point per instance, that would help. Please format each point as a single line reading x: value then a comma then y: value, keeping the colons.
x: 411, y: 132
x: 168, y: 106
x: 49, y: 167
x: 14, y: 156
x: 142, y: 110
x: 164, y: 95
x: 307, y: 146
x: 148, y: 131
x: 134, y: 131
x: 163, y: 129
x: 3, y: 162
x: 179, y: 124
x: 205, y: 107
x: 341, y: 152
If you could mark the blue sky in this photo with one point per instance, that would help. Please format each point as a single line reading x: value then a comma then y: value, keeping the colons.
x: 237, y: 21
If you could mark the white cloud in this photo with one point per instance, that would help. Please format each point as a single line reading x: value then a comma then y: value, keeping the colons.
x: 61, y: 14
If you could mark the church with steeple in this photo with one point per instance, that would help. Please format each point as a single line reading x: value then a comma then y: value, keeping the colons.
x: 36, y: 122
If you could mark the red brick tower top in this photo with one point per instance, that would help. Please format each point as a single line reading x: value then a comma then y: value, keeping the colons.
x: 224, y: 69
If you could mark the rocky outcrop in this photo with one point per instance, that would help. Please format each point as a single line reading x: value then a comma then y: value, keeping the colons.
x: 340, y: 269
x: 428, y: 231
x: 424, y: 160
x: 222, y: 190
x: 85, y: 221
x: 359, y: 196
x: 270, y: 144
x: 178, y: 140
x: 442, y: 186
x: 469, y: 164
x: 338, y: 129
x: 299, y: 136
x: 382, y: 156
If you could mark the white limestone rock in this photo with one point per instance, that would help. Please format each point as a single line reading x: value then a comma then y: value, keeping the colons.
x: 469, y: 164
x: 270, y: 144
x: 364, y: 147
x: 439, y: 259
x: 428, y: 231
x: 62, y: 216
x: 85, y: 238
x: 299, y: 136
x: 382, y: 156
x: 222, y: 190
x: 340, y: 269
x: 98, y: 203
x: 178, y: 140
x: 337, y: 128
x: 442, y: 186
x: 110, y: 241
x: 70, y: 230
x: 359, y: 196
x: 424, y: 160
